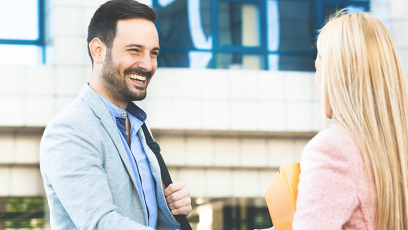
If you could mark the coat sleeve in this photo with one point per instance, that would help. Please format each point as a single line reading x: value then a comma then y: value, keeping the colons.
x: 71, y: 163
x: 327, y: 190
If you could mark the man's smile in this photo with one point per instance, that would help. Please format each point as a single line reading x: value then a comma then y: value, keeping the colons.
x: 138, y: 80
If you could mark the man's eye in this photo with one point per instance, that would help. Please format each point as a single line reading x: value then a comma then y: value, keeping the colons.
x: 134, y: 50
x: 155, y: 53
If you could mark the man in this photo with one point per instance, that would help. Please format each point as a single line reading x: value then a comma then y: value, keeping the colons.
x: 98, y: 171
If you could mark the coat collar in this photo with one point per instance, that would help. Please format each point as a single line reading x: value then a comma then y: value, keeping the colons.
x: 91, y: 98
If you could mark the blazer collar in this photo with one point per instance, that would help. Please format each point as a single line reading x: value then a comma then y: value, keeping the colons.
x: 91, y: 98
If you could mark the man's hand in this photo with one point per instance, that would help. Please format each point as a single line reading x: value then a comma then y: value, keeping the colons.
x: 178, y: 199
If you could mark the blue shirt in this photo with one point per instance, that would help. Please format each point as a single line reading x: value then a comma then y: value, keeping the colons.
x: 137, y: 156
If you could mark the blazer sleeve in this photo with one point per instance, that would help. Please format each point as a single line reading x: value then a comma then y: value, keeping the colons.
x: 70, y: 161
x: 327, y: 190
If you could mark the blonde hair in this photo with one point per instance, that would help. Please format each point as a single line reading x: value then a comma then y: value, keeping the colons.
x: 364, y: 85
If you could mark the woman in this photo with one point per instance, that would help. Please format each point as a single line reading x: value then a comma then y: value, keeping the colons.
x: 354, y: 173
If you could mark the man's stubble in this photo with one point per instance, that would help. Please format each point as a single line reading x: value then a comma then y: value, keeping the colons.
x: 116, y: 81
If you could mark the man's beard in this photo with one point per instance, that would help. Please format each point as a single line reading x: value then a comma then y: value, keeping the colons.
x: 116, y: 82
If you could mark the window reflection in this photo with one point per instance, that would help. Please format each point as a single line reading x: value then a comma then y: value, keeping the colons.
x: 355, y: 9
x: 296, y: 63
x: 239, y: 24
x: 273, y: 25
x: 146, y: 2
x: 185, y: 23
x: 273, y: 61
x: 174, y: 28
x: 330, y: 10
x: 291, y: 27
x: 165, y: 3
x: 189, y: 59
x: 240, y: 61
x: 199, y: 59
x: 199, y: 22
x: 284, y: 41
x: 174, y: 59
x: 297, y: 25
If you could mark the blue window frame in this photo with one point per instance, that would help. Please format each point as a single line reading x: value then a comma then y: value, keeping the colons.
x: 22, y: 36
x: 247, y: 34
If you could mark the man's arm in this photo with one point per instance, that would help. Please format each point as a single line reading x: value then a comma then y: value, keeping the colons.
x: 73, y: 166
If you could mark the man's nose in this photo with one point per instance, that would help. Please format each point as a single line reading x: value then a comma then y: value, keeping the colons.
x: 146, y: 62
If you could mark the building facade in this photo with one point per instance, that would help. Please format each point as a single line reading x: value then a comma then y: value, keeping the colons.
x: 233, y: 98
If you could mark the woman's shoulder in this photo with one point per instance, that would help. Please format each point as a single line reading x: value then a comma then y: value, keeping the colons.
x: 334, y: 136
x: 334, y: 141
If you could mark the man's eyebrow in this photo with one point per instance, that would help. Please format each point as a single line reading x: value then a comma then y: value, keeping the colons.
x: 132, y: 45
x: 141, y: 46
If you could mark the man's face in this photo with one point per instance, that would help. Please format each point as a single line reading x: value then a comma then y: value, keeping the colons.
x: 131, y: 62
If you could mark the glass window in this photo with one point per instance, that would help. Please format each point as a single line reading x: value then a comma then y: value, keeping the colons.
x: 173, y: 24
x: 330, y: 10
x: 19, y: 19
x: 189, y: 59
x: 239, y: 24
x: 296, y: 63
x: 240, y: 61
x: 297, y: 26
x: 21, y: 32
x: 185, y: 25
x: 20, y: 54
x: 173, y: 59
x: 244, y: 34
x: 200, y: 59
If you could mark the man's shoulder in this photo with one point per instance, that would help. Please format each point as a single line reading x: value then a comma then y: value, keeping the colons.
x: 76, y: 114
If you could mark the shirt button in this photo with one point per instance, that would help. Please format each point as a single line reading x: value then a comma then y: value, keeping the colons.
x: 126, y: 133
x: 123, y: 114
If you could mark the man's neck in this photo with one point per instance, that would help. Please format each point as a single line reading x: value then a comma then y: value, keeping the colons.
x: 100, y: 88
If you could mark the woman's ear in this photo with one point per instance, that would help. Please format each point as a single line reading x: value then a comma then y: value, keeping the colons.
x: 96, y: 48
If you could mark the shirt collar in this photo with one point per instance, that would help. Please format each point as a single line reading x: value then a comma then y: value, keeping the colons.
x: 120, y: 113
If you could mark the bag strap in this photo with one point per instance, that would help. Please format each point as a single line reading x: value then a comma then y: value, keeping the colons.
x: 181, y: 219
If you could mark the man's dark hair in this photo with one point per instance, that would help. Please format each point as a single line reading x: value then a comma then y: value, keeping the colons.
x: 104, y: 21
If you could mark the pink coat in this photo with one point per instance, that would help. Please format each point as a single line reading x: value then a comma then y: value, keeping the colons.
x: 334, y: 189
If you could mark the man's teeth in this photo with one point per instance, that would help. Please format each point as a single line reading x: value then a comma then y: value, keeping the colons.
x: 137, y: 77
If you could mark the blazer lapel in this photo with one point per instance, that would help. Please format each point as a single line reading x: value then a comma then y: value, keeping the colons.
x: 98, y: 107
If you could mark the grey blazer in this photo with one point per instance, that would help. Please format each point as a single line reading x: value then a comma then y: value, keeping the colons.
x: 87, y: 175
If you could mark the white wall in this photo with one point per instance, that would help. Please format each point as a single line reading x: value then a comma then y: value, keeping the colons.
x: 228, y: 166
x: 394, y: 15
x: 232, y: 100
x: 177, y: 98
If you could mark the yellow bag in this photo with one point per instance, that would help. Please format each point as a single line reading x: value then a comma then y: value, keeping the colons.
x: 282, y: 195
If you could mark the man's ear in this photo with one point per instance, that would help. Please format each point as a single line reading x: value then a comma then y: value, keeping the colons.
x: 96, y: 48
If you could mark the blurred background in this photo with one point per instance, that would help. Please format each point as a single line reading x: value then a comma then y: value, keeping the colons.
x: 232, y: 100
